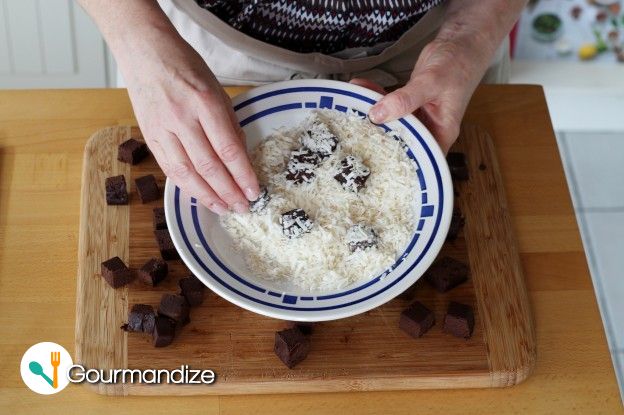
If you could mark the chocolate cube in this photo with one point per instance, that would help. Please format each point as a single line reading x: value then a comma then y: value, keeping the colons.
x: 353, y: 173
x: 159, y: 218
x: 291, y: 346
x: 459, y: 320
x: 457, y: 223
x: 147, y: 188
x: 446, y: 273
x: 193, y: 290
x: 360, y: 237
x: 175, y: 307
x: 165, y: 245
x: 301, y: 165
x: 457, y: 165
x: 116, y: 273
x: 132, y: 151
x: 164, y: 331
x: 141, y: 319
x: 416, y: 320
x: 305, y: 327
x: 319, y: 138
x: 116, y: 191
x: 295, y: 223
x: 154, y: 271
x: 260, y: 204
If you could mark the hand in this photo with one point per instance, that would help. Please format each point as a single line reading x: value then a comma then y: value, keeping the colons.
x: 189, y: 124
x: 438, y: 91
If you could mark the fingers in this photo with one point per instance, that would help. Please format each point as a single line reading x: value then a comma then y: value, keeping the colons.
x: 210, y: 167
x: 443, y: 127
x: 226, y: 139
x: 176, y: 164
x: 398, y: 103
x: 367, y: 83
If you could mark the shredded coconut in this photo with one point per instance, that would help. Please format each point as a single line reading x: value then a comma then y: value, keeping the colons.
x: 321, y: 260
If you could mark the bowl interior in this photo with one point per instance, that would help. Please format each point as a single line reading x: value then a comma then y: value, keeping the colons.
x: 260, y: 112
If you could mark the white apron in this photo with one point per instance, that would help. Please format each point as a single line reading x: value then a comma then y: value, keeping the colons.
x: 238, y: 59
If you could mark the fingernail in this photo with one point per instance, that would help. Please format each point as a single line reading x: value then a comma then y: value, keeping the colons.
x: 251, y: 194
x: 218, y: 208
x: 240, y: 207
x: 377, y: 114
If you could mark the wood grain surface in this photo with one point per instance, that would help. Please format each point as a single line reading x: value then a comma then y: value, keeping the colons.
x: 365, y: 352
x: 42, y: 141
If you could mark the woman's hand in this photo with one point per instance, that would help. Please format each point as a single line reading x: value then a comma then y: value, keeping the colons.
x: 185, y: 116
x: 450, y: 67
x: 437, y: 93
x: 188, y: 123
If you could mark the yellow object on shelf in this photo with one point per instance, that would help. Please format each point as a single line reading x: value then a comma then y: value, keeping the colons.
x: 587, y: 51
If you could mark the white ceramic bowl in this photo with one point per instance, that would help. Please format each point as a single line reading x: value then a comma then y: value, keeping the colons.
x: 207, y: 249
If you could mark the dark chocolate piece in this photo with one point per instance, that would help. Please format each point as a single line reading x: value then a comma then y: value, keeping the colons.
x: 291, y: 346
x: 353, y: 173
x: 457, y: 165
x: 258, y: 205
x: 446, y: 273
x: 301, y: 165
x: 319, y: 139
x: 132, y: 151
x: 116, y: 191
x: 295, y: 223
x: 159, y: 218
x: 165, y: 245
x: 147, y: 188
x: 361, y: 237
x: 141, y: 319
x: 409, y: 292
x: 306, y: 327
x: 175, y: 307
x: 164, y: 331
x: 154, y: 271
x: 193, y: 290
x: 116, y: 273
x: 459, y: 320
x: 416, y: 320
x: 457, y: 223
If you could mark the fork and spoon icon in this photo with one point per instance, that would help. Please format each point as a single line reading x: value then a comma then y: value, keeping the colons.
x: 55, y: 361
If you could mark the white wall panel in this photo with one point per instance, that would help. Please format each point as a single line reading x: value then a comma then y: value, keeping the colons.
x: 5, y: 53
x: 57, y: 36
x: 24, y: 37
x: 50, y: 44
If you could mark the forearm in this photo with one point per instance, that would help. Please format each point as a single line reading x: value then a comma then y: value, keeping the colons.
x: 476, y: 28
x: 132, y: 28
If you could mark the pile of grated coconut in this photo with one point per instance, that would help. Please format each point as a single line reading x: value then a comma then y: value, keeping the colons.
x: 321, y: 260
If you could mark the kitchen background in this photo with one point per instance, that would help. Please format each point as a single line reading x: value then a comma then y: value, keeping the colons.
x: 572, y: 47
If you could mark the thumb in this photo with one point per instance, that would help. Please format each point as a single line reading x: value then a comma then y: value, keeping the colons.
x: 398, y: 103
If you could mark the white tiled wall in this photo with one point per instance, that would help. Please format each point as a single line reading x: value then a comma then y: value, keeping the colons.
x: 594, y: 164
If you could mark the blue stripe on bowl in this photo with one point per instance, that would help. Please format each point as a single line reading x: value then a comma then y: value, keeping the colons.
x: 289, y: 299
x: 326, y: 102
x: 261, y: 114
x: 426, y: 211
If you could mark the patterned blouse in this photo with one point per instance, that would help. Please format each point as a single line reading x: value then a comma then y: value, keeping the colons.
x: 326, y: 26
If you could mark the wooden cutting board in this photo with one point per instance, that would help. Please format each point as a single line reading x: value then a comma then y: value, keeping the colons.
x: 364, y: 352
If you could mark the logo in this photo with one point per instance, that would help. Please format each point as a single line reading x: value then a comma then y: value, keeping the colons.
x: 44, y: 368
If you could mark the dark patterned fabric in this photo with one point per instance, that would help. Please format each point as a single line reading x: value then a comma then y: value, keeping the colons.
x: 326, y: 26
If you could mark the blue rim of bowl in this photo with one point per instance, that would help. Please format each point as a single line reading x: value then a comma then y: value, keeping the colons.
x: 325, y: 102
